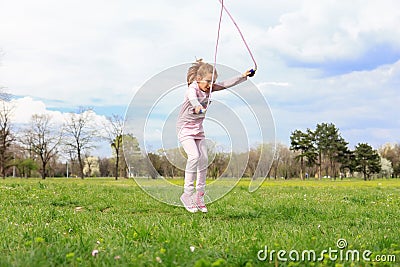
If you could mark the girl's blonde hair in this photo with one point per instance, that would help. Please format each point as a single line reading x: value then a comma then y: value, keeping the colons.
x: 200, y: 68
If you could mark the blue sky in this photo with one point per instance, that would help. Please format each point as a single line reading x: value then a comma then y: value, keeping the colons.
x: 319, y: 61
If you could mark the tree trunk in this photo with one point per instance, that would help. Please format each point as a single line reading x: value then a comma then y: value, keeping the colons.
x: 365, y: 174
x: 117, y: 164
x: 43, y: 170
x: 301, y: 168
x: 319, y: 166
x: 80, y: 165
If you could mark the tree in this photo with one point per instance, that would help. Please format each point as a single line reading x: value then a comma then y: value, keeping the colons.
x: 347, y: 161
x: 92, y: 168
x: 302, y: 142
x: 43, y: 139
x: 386, y: 168
x: 330, y: 145
x: 25, y: 166
x: 81, y: 132
x: 281, y: 163
x: 284, y: 162
x: 392, y: 153
x: 154, y: 165
x: 367, y: 160
x: 340, y: 154
x: 254, y: 158
x: 218, y: 165
x: 172, y: 160
x: 6, y: 136
x: 105, y: 167
x: 114, y: 130
x: 266, y: 156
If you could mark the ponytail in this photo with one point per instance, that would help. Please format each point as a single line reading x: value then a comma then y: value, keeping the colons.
x: 199, y: 68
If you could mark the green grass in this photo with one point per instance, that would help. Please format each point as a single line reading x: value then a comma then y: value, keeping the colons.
x: 59, y: 222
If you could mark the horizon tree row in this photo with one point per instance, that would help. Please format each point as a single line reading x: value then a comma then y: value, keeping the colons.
x: 43, y: 146
x: 286, y: 164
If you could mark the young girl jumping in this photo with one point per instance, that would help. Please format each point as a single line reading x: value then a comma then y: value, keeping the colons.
x: 190, y: 129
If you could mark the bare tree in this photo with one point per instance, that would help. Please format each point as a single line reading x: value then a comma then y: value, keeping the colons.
x: 254, y: 158
x: 42, y: 138
x: 114, y: 130
x: 81, y: 132
x: 266, y: 156
x: 6, y: 136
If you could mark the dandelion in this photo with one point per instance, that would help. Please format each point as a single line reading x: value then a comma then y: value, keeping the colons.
x: 70, y: 255
x: 192, y: 248
x: 95, y: 252
x: 135, y: 235
x: 39, y: 240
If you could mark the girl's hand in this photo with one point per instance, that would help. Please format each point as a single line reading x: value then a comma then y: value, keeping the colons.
x: 198, y: 109
x: 249, y: 73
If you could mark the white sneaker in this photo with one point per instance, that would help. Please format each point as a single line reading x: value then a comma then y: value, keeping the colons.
x: 188, y: 203
x: 199, y: 201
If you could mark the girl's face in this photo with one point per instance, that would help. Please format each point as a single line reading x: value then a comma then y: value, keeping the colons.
x: 205, y: 82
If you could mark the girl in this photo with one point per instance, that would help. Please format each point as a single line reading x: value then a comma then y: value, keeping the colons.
x: 190, y: 129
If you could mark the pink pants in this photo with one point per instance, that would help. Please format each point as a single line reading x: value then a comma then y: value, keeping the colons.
x: 196, y: 165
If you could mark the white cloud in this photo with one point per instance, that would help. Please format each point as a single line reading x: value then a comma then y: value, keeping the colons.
x: 331, y: 30
x: 24, y: 108
x: 277, y: 84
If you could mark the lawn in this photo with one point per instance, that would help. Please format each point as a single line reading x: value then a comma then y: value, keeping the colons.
x: 103, y: 222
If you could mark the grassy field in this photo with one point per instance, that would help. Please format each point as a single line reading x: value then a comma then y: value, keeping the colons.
x: 103, y: 222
